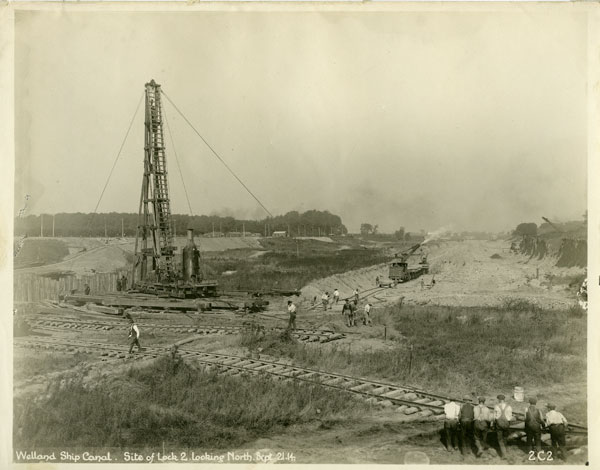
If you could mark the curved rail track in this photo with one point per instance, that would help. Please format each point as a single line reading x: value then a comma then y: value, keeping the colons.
x: 405, y: 399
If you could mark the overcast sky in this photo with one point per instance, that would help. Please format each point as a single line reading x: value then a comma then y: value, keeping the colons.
x: 422, y: 120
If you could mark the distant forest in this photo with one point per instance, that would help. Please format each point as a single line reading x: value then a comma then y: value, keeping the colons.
x: 116, y: 224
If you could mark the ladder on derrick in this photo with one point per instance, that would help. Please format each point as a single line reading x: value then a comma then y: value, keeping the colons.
x: 155, y: 210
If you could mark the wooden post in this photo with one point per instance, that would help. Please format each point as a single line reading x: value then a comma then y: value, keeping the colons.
x: 410, y: 357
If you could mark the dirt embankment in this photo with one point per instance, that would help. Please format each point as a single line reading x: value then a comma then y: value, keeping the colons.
x: 467, y: 274
x: 567, y: 252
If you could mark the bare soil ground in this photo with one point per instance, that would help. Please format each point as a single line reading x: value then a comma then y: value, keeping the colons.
x: 467, y: 274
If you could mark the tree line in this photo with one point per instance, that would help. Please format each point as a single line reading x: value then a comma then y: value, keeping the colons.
x: 117, y: 224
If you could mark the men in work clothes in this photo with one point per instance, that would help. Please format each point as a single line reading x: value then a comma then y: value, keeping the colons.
x: 292, y: 312
x: 86, y: 289
x: 533, y: 426
x: 355, y: 293
x: 377, y: 281
x: 354, y: 308
x: 451, y: 411
x: 367, y: 317
x: 325, y: 300
x: 502, y: 416
x: 481, y: 424
x: 347, y: 313
x: 465, y: 417
x: 336, y: 295
x: 134, y: 336
x: 557, y: 425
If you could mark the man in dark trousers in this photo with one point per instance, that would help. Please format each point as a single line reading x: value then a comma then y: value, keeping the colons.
x: 557, y: 425
x: 534, y: 421
x: 134, y: 336
x: 347, y: 313
x: 502, y: 417
x: 292, y: 312
x: 466, y: 416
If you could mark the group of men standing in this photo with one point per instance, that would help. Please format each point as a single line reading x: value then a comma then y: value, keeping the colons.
x: 350, y: 313
x: 473, y: 423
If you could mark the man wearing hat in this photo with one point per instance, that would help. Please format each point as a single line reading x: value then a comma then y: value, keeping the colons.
x: 557, y: 424
x: 292, y: 312
x: 134, y: 335
x: 534, y: 421
x: 466, y: 424
x: 502, y: 417
x: 481, y: 425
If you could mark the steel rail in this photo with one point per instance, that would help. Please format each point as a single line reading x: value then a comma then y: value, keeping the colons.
x: 410, y: 399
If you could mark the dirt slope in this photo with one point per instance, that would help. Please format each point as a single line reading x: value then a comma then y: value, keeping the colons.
x: 466, y: 275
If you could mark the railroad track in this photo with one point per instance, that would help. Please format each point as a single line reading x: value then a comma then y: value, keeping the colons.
x: 60, y: 324
x: 405, y: 399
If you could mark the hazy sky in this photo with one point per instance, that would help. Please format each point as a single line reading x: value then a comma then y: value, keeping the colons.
x: 411, y: 119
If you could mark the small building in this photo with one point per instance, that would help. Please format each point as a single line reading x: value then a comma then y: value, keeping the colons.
x: 279, y: 233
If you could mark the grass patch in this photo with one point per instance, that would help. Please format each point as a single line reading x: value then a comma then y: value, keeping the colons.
x: 457, y: 350
x: 174, y: 405
x: 29, y: 365
x: 290, y: 264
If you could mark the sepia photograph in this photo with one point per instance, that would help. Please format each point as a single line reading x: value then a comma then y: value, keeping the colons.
x: 301, y: 234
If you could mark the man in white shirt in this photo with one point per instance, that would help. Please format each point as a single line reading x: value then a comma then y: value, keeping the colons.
x: 502, y: 416
x: 482, y: 419
x: 336, y: 296
x: 451, y: 411
x: 557, y: 424
x: 292, y: 312
x: 367, y: 318
x: 134, y: 336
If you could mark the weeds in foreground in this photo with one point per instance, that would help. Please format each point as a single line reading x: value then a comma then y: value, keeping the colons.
x: 177, y: 405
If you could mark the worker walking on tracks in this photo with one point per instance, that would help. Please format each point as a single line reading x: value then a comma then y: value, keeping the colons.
x: 502, y: 418
x: 466, y: 417
x: 336, y: 296
x: 292, y: 312
x: 347, y: 312
x: 557, y: 425
x: 534, y: 421
x: 134, y: 336
x: 451, y: 412
x: 367, y: 315
x: 325, y: 300
x: 481, y: 424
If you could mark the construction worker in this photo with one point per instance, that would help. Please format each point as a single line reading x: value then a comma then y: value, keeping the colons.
x: 325, y: 300
x: 134, y: 336
x: 347, y: 312
x: 124, y: 282
x: 336, y: 295
x: 481, y: 424
x: 557, y: 425
x: 502, y: 418
x: 354, y: 308
x: 118, y: 284
x: 367, y: 315
x: 466, y: 417
x: 377, y: 281
x: 86, y: 289
x: 355, y: 295
x: 292, y: 311
x: 534, y: 421
x: 452, y: 412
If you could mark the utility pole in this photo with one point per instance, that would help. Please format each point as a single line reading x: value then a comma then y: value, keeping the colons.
x: 53, y: 215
